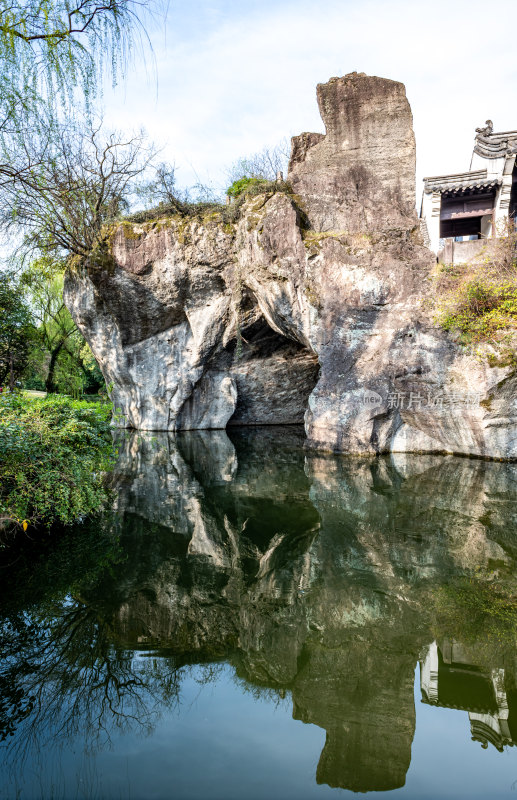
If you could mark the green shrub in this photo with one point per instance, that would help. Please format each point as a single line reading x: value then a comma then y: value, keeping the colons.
x: 52, y: 454
x: 242, y: 184
x: 258, y: 186
x: 482, y: 309
x: 479, y: 299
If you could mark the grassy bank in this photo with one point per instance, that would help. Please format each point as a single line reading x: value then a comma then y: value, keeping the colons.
x: 53, y: 451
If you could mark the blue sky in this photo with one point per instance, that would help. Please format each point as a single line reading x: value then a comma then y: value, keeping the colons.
x: 232, y: 77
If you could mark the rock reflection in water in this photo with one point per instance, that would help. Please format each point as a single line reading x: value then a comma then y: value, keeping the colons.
x: 316, y: 575
x: 310, y: 573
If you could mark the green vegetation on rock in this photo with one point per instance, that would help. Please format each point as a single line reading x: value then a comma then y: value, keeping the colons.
x: 479, y: 300
x: 482, y: 308
x: 242, y: 184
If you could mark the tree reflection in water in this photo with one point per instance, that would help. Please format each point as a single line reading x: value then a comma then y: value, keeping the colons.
x: 65, y: 671
x: 322, y: 577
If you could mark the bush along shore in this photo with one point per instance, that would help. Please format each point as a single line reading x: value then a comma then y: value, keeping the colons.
x: 53, y: 453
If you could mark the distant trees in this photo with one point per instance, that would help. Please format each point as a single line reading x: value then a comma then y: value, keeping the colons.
x: 17, y: 332
x: 59, y: 359
x: 265, y: 164
x: 40, y: 345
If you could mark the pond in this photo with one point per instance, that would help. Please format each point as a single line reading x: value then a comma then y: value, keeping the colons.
x: 254, y: 620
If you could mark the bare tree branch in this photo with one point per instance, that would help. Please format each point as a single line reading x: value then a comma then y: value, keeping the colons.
x: 66, y: 189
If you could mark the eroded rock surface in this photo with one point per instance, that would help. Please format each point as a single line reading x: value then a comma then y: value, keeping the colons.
x: 312, y: 304
x: 364, y: 163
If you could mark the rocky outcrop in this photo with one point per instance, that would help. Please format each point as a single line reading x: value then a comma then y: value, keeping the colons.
x: 365, y: 162
x: 309, y: 306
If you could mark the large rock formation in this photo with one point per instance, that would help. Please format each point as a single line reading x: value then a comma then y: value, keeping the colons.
x: 308, y: 306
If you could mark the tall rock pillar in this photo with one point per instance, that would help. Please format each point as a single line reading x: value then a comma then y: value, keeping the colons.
x: 360, y: 175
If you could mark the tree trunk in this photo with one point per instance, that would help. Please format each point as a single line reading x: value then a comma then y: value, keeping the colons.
x: 50, y: 386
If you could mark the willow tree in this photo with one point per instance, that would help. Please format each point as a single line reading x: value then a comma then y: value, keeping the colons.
x: 49, y: 48
x: 60, y: 178
x: 52, y: 56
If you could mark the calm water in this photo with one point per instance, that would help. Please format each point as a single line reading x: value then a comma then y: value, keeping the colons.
x: 254, y: 621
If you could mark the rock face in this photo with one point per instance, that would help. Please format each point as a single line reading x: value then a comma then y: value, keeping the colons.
x: 366, y: 161
x: 308, y: 306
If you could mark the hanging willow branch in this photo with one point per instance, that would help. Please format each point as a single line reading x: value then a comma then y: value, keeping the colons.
x: 51, y: 50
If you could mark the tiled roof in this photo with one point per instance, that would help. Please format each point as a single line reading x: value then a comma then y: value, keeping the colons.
x: 496, y: 145
x: 460, y: 181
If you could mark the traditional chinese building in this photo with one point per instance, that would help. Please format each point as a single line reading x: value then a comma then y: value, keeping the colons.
x: 460, y: 212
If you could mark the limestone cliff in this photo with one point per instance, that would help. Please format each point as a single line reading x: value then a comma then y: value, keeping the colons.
x: 309, y: 305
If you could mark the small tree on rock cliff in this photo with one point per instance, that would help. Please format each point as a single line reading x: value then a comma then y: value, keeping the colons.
x: 264, y: 165
x: 78, y: 183
x: 257, y: 170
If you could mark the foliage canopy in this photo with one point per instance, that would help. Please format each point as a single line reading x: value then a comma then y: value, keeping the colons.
x: 17, y: 331
x: 52, y: 454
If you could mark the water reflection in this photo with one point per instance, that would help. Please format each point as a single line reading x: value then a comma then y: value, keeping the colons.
x: 320, y: 576
x: 452, y: 677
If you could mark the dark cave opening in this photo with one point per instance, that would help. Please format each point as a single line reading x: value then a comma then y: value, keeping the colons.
x: 274, y: 377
